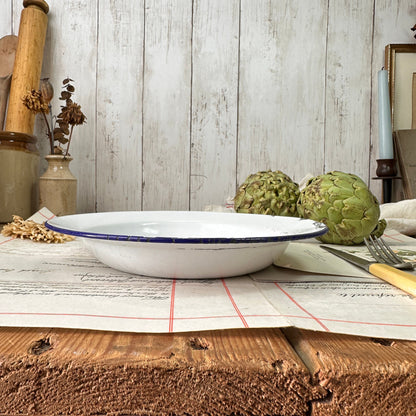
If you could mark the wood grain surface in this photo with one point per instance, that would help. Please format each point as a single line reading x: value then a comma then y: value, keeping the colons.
x: 186, y: 98
x: 348, y: 88
x: 214, y: 102
x: 27, y: 66
x: 60, y: 371
x: 363, y: 376
x: 71, y: 50
x: 167, y: 105
x: 387, y: 29
x: 281, y: 88
x: 245, y: 372
x: 119, y: 106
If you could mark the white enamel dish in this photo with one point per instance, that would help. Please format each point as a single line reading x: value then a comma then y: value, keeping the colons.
x: 186, y: 244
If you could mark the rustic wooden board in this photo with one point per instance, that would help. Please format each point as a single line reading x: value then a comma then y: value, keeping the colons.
x: 281, y: 89
x: 392, y: 23
x: 119, y: 105
x: 214, y: 102
x: 6, y: 19
x: 245, y: 372
x: 306, y: 92
x: 167, y: 104
x: 71, y: 50
x: 348, y: 88
x: 363, y: 376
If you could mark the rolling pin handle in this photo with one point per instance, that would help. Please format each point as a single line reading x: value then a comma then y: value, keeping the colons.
x: 40, y: 4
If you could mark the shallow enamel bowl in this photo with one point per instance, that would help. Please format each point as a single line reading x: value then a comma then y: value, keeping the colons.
x: 186, y: 244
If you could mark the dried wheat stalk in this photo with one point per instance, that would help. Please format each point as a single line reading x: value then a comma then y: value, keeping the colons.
x: 21, y: 228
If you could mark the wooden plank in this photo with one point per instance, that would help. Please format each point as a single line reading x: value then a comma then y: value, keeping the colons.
x: 405, y: 146
x: 281, y: 101
x: 214, y: 102
x: 16, y: 8
x: 119, y: 105
x: 6, y: 21
x: 281, y: 98
x: 245, y: 372
x: 5, y: 30
x: 166, y: 104
x: 71, y: 50
x: 392, y: 22
x: 348, y: 88
x: 364, y: 376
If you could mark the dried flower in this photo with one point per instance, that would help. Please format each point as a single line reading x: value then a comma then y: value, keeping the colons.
x: 71, y: 114
x: 33, y: 101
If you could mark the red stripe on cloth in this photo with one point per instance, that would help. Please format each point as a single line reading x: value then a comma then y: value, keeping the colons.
x: 48, y: 218
x: 84, y: 315
x: 392, y: 237
x: 230, y: 296
x: 370, y: 323
x: 302, y: 308
x: 6, y: 241
x: 172, y: 306
x: 144, y: 318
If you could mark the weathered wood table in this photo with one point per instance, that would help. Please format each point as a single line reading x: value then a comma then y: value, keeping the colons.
x: 230, y: 372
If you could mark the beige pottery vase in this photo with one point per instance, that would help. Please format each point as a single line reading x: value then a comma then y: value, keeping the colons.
x: 58, y: 186
x: 19, y: 175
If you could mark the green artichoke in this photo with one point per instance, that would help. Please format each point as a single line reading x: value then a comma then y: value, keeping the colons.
x: 344, y: 203
x: 267, y: 192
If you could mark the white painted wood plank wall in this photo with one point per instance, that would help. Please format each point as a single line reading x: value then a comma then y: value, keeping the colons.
x: 186, y: 98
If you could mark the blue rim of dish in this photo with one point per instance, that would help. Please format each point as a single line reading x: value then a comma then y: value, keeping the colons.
x: 320, y: 230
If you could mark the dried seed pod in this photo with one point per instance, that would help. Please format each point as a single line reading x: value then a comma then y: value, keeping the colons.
x: 65, y: 95
x: 46, y: 90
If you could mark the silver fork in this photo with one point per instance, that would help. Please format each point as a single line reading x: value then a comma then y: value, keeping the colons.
x: 382, y: 252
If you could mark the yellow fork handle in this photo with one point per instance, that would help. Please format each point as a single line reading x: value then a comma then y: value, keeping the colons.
x: 403, y: 280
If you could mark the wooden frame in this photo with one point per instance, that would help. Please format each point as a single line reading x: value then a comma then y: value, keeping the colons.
x: 405, y: 145
x: 400, y: 61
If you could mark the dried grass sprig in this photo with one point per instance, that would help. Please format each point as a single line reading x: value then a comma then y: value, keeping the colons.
x: 27, y: 229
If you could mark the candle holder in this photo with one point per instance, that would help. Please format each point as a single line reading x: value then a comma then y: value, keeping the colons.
x: 386, y: 168
x: 386, y: 171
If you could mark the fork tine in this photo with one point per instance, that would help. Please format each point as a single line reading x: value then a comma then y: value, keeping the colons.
x: 387, y: 248
x: 379, y: 248
x: 373, y: 249
x: 383, y: 253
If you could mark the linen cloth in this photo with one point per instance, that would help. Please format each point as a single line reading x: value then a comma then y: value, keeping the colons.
x: 400, y: 216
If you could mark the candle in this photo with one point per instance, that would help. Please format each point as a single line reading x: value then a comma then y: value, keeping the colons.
x: 384, y: 117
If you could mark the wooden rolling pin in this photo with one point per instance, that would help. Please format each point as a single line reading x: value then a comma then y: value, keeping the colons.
x: 27, y: 65
x: 8, y: 45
